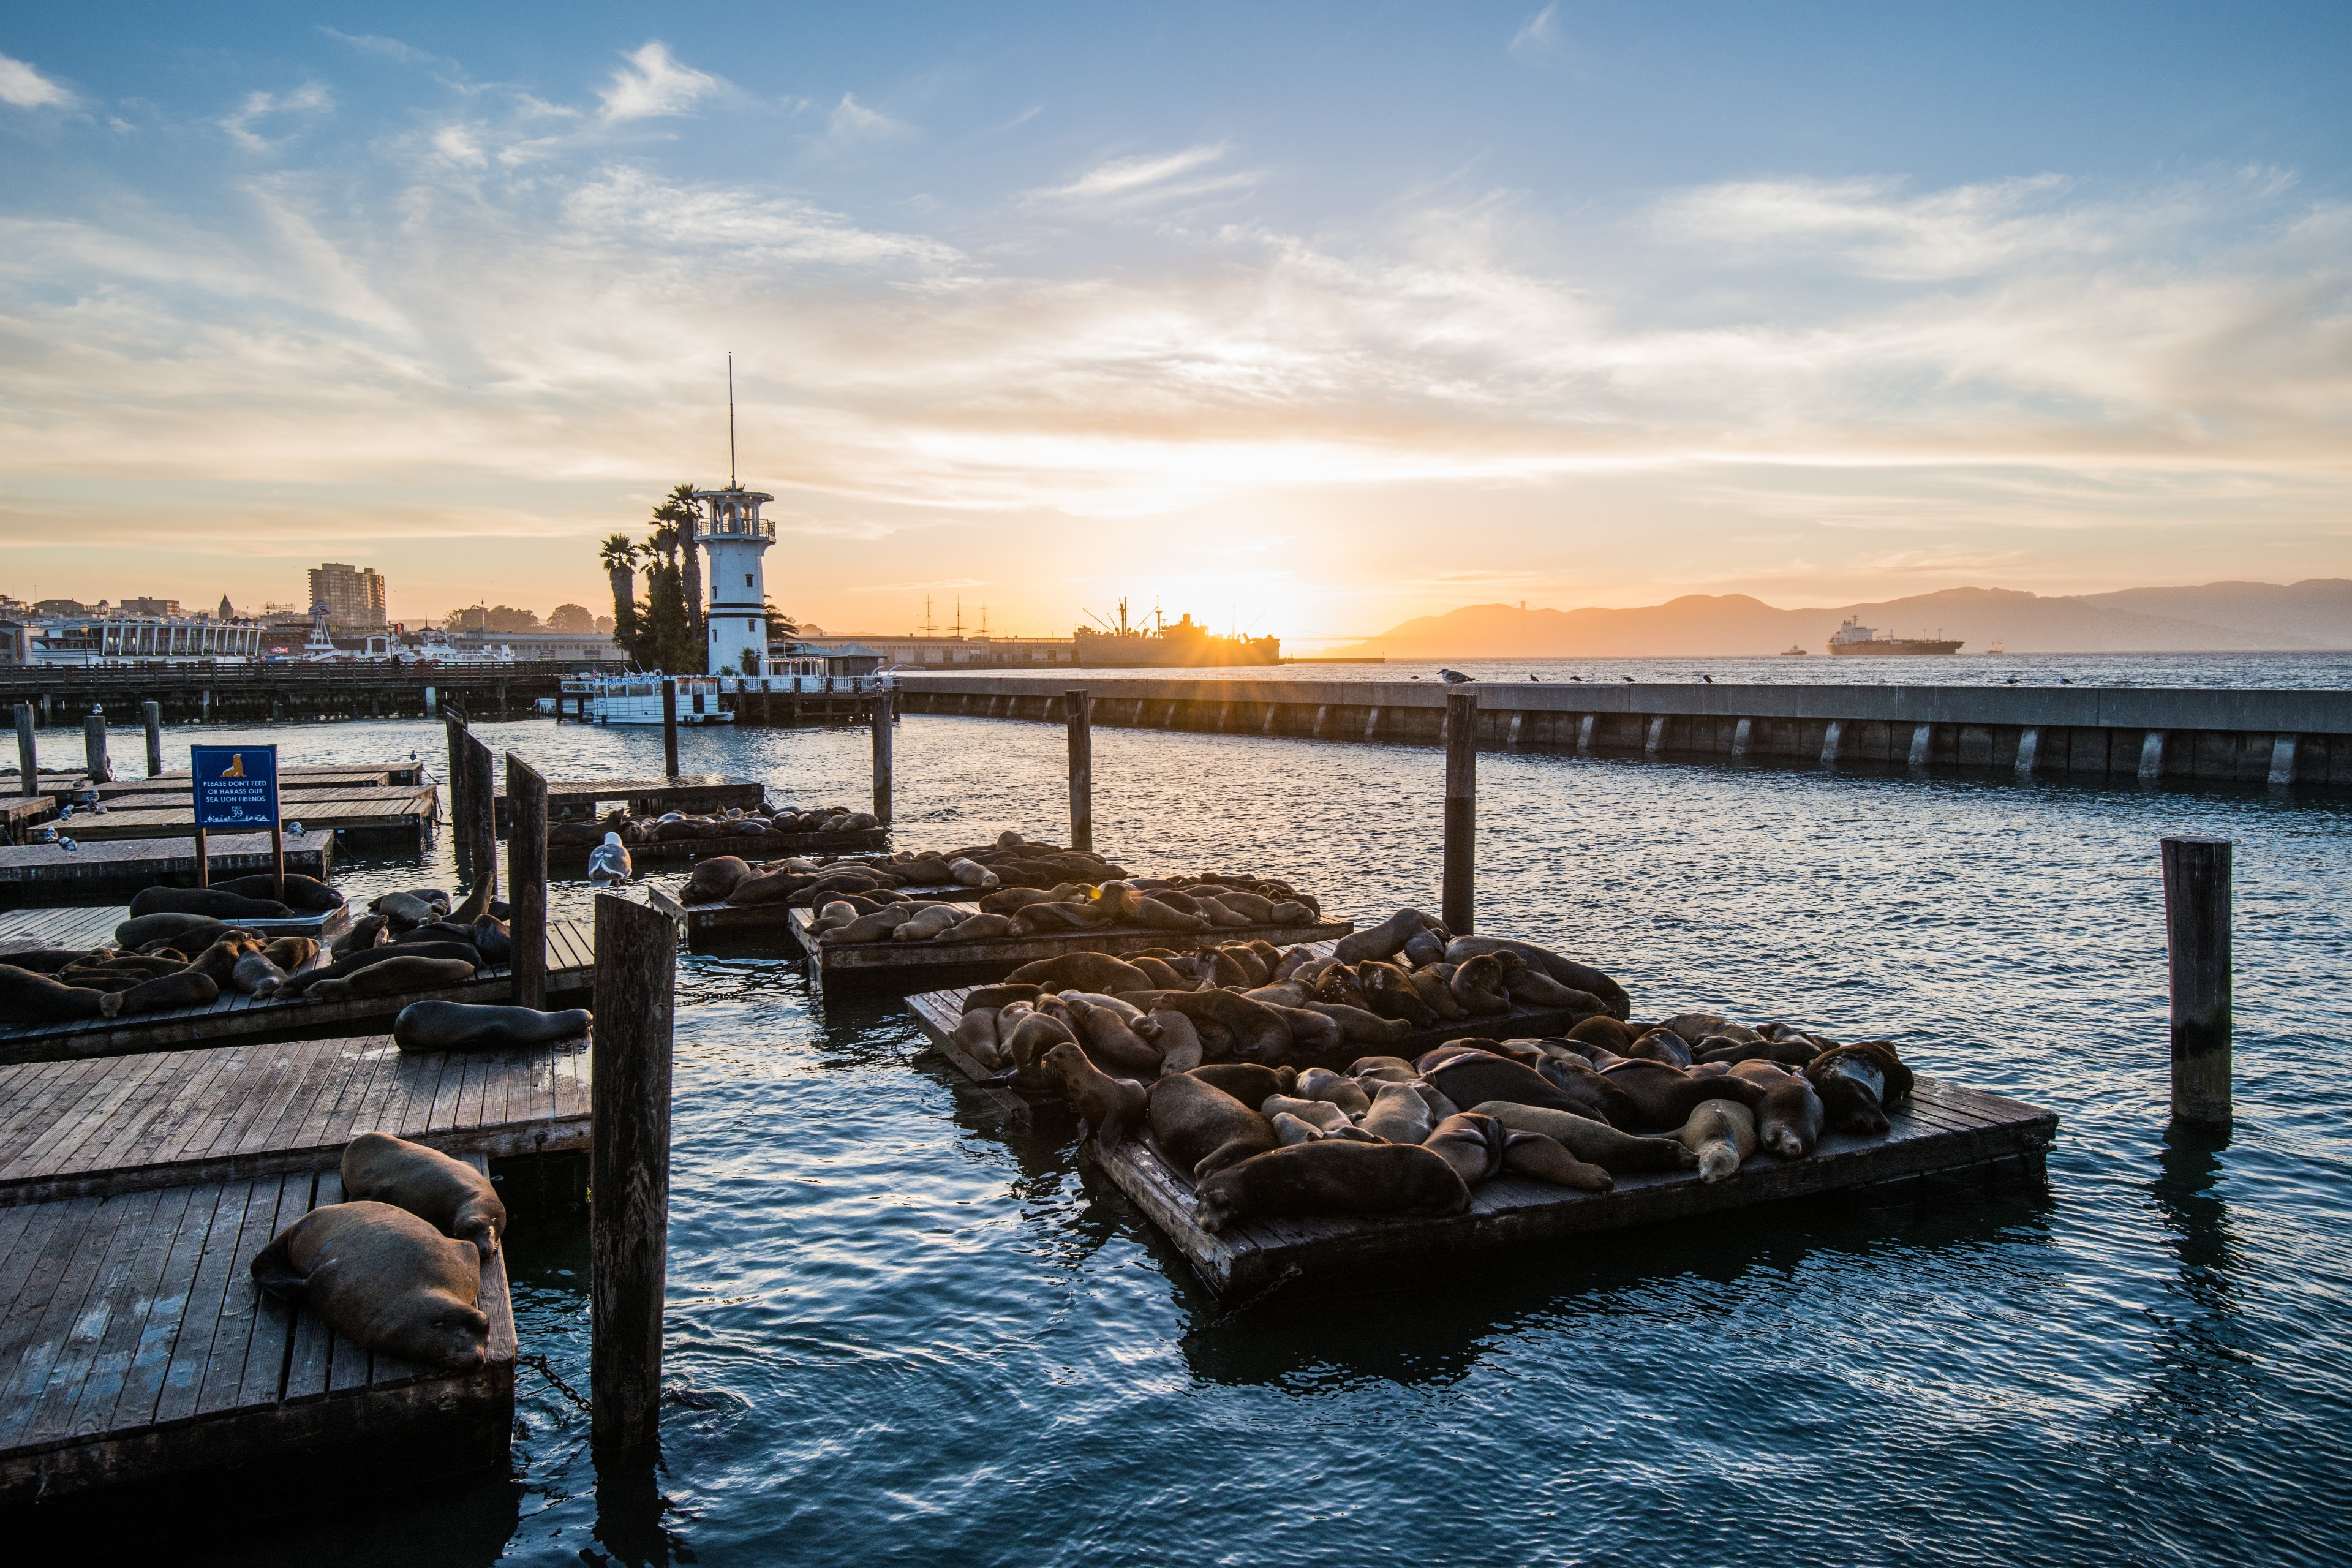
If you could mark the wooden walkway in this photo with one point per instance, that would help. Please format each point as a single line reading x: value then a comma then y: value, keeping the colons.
x: 18, y: 813
x: 362, y: 817
x: 292, y: 780
x: 570, y: 973
x: 24, y: 931
x: 124, y: 1124
x: 46, y: 874
x: 687, y: 792
x: 136, y: 1348
x: 1949, y: 1138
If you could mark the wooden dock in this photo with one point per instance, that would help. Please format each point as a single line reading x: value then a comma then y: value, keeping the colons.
x: 942, y: 963
x: 18, y: 813
x: 736, y: 922
x: 24, y: 931
x: 570, y: 974
x: 44, y: 874
x: 112, y: 1125
x: 755, y: 848
x: 141, y: 1352
x: 573, y: 799
x: 361, y: 816
x: 292, y: 780
x: 1949, y: 1138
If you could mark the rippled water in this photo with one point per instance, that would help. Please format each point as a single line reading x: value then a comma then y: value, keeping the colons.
x: 900, y: 1333
x: 2329, y: 671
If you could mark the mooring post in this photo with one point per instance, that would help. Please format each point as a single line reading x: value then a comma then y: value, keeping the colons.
x: 152, y: 714
x: 28, y: 753
x: 481, y: 828
x: 878, y: 712
x: 454, y: 721
x: 1079, y: 709
x: 527, y: 880
x: 2196, y: 937
x: 93, y: 746
x: 669, y: 728
x: 628, y: 1169
x: 1460, y: 809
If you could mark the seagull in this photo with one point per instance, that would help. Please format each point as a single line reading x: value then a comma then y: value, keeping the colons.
x: 1708, y: 678
x: 1535, y: 677
x: 2064, y: 681
x: 609, y: 862
x: 1453, y: 677
x: 1629, y: 680
x: 1576, y: 678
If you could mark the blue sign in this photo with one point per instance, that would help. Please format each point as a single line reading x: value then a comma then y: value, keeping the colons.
x: 236, y: 786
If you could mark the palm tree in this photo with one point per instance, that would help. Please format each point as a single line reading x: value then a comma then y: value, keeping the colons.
x: 619, y: 556
x: 678, y: 510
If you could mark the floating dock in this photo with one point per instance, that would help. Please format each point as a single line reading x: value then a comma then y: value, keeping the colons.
x: 18, y: 813
x: 755, y: 848
x: 371, y: 815
x: 941, y: 962
x: 570, y: 974
x: 45, y: 873
x: 1948, y: 1139
x: 574, y: 799
x: 735, y: 923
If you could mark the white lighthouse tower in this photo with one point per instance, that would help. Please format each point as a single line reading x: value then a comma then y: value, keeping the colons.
x: 733, y: 537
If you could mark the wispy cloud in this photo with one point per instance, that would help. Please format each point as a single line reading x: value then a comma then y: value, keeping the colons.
x: 852, y: 121
x: 1151, y: 178
x: 1538, y: 36
x: 379, y: 46
x: 311, y: 98
x: 654, y: 84
x: 24, y: 88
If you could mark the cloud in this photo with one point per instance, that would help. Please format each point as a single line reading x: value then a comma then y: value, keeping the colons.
x: 311, y: 98
x: 383, y: 47
x: 851, y: 122
x: 1148, y: 178
x: 26, y: 88
x: 1539, y: 36
x: 653, y: 84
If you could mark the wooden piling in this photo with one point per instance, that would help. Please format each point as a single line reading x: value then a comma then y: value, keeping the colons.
x: 152, y: 714
x: 1460, y: 809
x: 669, y: 728
x: 480, y: 827
x: 1079, y: 711
x: 879, y: 711
x: 93, y: 746
x: 28, y: 753
x: 527, y: 880
x: 454, y: 722
x: 628, y: 1230
x: 2196, y: 937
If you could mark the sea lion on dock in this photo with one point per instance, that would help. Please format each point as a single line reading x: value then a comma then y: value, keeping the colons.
x: 384, y: 1280
x: 185, y: 989
x: 363, y: 933
x: 1252, y: 1083
x: 210, y: 901
x: 997, y: 996
x: 1108, y: 1039
x: 1859, y: 1084
x: 1477, y: 983
x: 368, y: 958
x: 142, y: 930
x: 1083, y: 972
x: 1660, y: 1044
x: 256, y: 975
x: 975, y: 1036
x: 1722, y: 1132
x: 978, y: 928
x: 1790, y: 1120
x: 1202, y: 1128
x: 1322, y: 1083
x: 1400, y: 1115
x: 1472, y: 1076
x: 1479, y: 1148
x: 1332, y: 1177
x: 302, y: 892
x: 1358, y: 1027
x: 1383, y: 941
x: 1390, y: 991
x: 394, y: 978
x: 1595, y: 1142
x: 1258, y: 1031
x: 27, y: 999
x: 1664, y: 1096
x: 1567, y: 970
x: 435, y: 1026
x: 1612, y: 1033
x: 1025, y: 1045
x: 1532, y: 987
x: 714, y: 878
x: 401, y: 911
x: 1319, y: 1114
x: 1108, y: 1107
x: 448, y: 1194
x: 1430, y: 985
x: 1181, y: 1047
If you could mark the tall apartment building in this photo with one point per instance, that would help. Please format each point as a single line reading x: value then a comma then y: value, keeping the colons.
x: 354, y: 595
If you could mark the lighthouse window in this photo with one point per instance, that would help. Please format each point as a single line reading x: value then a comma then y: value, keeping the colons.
x: 746, y: 579
x: 752, y: 622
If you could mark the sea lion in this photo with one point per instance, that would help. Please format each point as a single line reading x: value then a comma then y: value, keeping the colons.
x: 1312, y: 1034
x: 436, y: 1026
x: 930, y: 921
x: 1472, y: 1076
x: 1596, y: 1142
x: 1084, y: 972
x: 1664, y: 1096
x: 1390, y: 991
x: 207, y: 901
x: 714, y: 878
x: 394, y: 978
x: 1859, y: 1084
x: 1322, y: 1083
x: 1331, y: 1176
x: 1478, y: 985
x: 144, y: 928
x: 1258, y: 1031
x: 256, y: 975
x: 1423, y: 949
x: 1567, y: 970
x: 300, y: 985
x: 876, y: 927
x: 1601, y: 1029
x: 1252, y: 1083
x: 1789, y: 1122
x: 363, y: 933
x: 1108, y: 1039
x: 448, y: 1194
x: 1473, y: 1146
x: 1321, y: 1114
x: 1289, y: 1131
x: 1383, y: 941
x: 1400, y: 1115
x: 384, y: 1278
x: 185, y: 989
x: 978, y: 928
x: 1660, y: 1044
x: 1723, y: 1133
x: 302, y: 892
x: 291, y: 953
x: 997, y: 996
x: 1106, y: 1106
x: 401, y: 911
x: 1792, y: 1053
x: 1025, y: 1045
x: 1693, y: 1027
x: 1202, y: 1128
x: 1180, y: 1050
x: 972, y: 873
x: 1430, y: 985
x: 26, y: 998
x: 1387, y: 1069
x: 1534, y: 988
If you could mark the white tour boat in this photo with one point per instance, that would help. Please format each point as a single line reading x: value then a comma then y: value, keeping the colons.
x: 636, y: 698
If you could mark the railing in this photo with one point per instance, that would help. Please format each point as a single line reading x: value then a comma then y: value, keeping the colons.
x: 807, y: 685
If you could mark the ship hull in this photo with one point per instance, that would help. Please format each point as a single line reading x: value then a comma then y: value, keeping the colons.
x: 1899, y: 647
x: 1158, y: 653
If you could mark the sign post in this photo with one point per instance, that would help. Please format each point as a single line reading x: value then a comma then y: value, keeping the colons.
x: 236, y: 786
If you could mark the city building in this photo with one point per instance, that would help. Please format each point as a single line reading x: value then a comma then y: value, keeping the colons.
x: 167, y: 609
x: 911, y: 651
x: 112, y: 638
x: 354, y: 595
x: 573, y: 649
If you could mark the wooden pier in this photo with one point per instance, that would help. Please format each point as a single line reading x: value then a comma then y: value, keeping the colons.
x: 1948, y: 1139
x: 941, y: 963
x: 46, y: 874
x: 361, y: 815
x: 293, y: 781
x: 19, y: 812
x: 735, y: 923
x: 569, y: 799
x: 755, y: 848
x: 570, y: 972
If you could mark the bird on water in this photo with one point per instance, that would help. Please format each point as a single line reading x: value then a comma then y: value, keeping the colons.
x: 609, y: 862
x: 1453, y: 677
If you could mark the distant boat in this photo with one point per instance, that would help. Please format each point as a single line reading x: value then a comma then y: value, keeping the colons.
x: 1996, y: 647
x: 1796, y: 651
x: 1853, y: 638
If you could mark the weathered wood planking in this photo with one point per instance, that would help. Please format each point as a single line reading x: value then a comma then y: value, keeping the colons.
x: 137, y: 1350
x: 19, y: 812
x: 570, y: 968
x: 121, y: 1124
x: 755, y: 848
x: 892, y: 962
x: 1949, y: 1135
x: 289, y: 778
x: 687, y: 792
x: 377, y: 816
x: 47, y: 874
x: 734, y: 920
x: 23, y: 930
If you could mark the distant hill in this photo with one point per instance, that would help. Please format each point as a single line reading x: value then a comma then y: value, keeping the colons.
x: 2217, y: 617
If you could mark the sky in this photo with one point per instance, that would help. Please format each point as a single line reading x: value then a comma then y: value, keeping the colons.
x: 1305, y: 319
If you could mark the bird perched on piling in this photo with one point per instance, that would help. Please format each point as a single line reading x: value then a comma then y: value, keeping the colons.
x: 1453, y: 677
x: 609, y: 862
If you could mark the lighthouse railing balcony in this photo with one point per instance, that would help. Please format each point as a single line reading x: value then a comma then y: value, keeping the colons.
x: 723, y: 527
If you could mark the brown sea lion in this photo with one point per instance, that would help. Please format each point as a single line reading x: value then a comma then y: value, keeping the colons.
x: 256, y: 975
x: 997, y: 996
x: 1723, y: 1133
x: 1202, y: 1128
x: 363, y: 933
x: 1258, y: 1032
x: 1390, y: 991
x: 1180, y: 1050
x: 1398, y: 1115
x: 1594, y: 1141
x: 1859, y: 1084
x: 1664, y: 1096
x: 1481, y: 1145
x: 1567, y: 970
x: 1388, y: 1070
x: 1383, y: 941
x: 1478, y: 985
x: 207, y: 901
x: 1660, y: 1044
x: 300, y: 985
x: 1789, y: 1122
x: 1108, y: 1107
x: 1322, y: 1083
x: 1602, y: 1030
x: 302, y: 892
x: 1332, y: 1177
x: 1312, y: 1034
x: 1793, y: 1053
x: 382, y: 1279
x: 1083, y: 972
x: 1026, y: 1043
x: 394, y: 978
x: 438, y: 1026
x: 1321, y: 1114
x: 26, y: 998
x: 448, y: 1194
x: 978, y: 928
x: 975, y: 1036
x: 1252, y: 1083
x: 714, y: 878
x: 138, y: 932
x: 1472, y: 1076
x: 1108, y: 1038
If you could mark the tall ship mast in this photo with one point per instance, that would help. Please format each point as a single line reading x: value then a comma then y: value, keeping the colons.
x: 1165, y: 645
x: 1853, y: 638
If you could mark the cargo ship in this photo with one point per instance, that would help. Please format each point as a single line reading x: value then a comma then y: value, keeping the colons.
x: 1853, y: 638
x: 1169, y: 645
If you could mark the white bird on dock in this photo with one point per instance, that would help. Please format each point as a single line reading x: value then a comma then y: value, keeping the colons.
x: 1453, y: 677
x: 609, y: 862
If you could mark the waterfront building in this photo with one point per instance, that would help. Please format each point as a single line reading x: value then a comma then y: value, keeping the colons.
x: 968, y: 653
x: 353, y: 596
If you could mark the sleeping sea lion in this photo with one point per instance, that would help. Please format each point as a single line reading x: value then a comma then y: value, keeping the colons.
x: 26, y: 998
x: 1473, y: 1076
x: 202, y: 930
x: 1400, y: 1115
x: 302, y: 892
x: 1319, y: 1114
x: 975, y: 1036
x: 1332, y: 1175
x: 1026, y: 1043
x: 436, y: 1026
x: 1258, y: 1031
x: 1180, y: 1050
x: 1383, y: 941
x: 1390, y: 991
x: 1430, y: 985
x: 1108, y: 1107
x: 207, y: 901
x: 1664, y: 1096
x: 300, y: 985
x: 1252, y: 1083
x: 1859, y: 1084
x: 256, y: 975
x: 714, y: 878
x: 1723, y: 1132
x: 1083, y: 972
x: 997, y: 996
x: 1478, y: 985
x: 448, y: 1194
x: 394, y: 978
x: 1601, y: 1029
x: 384, y: 1278
x: 1105, y: 1037
x: 1322, y: 1083
x: 1202, y: 1128
x: 363, y: 933
x: 1567, y: 970
x: 1789, y: 1122
x: 1595, y: 1142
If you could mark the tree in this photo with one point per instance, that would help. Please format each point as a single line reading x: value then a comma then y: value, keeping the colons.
x: 491, y: 619
x: 571, y: 618
x: 677, y: 511
x: 620, y: 557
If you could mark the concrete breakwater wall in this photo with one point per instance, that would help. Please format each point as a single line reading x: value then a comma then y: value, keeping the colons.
x: 2276, y: 737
